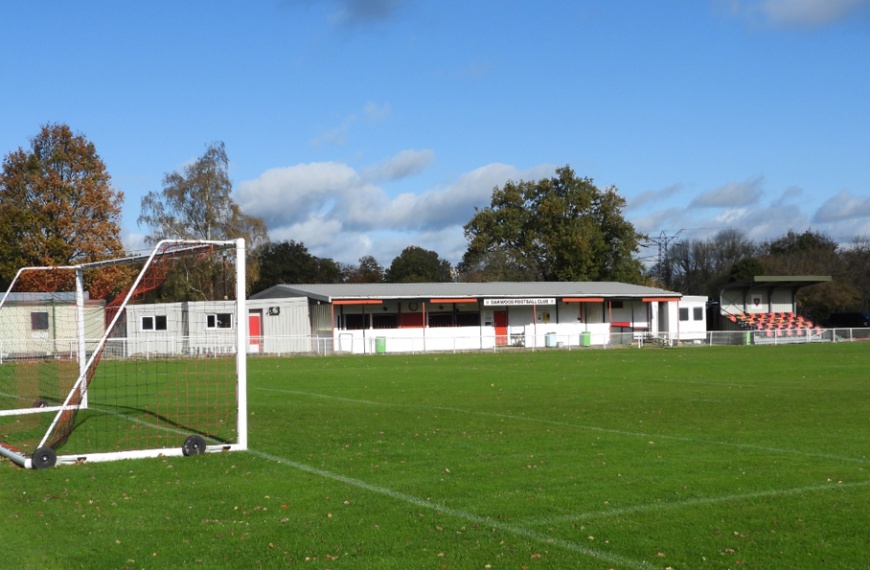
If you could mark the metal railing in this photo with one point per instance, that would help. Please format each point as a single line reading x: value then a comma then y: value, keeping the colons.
x: 380, y: 342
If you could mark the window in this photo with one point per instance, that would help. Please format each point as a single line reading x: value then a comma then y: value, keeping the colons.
x: 39, y: 321
x: 219, y: 321
x: 698, y: 314
x: 684, y: 313
x: 355, y: 321
x: 468, y: 319
x: 385, y: 321
x: 155, y: 323
x: 441, y: 320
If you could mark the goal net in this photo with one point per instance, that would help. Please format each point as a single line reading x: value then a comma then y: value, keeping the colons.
x: 135, y: 357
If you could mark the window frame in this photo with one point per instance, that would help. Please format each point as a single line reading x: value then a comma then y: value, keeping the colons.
x: 156, y: 323
x: 39, y: 321
x: 219, y: 321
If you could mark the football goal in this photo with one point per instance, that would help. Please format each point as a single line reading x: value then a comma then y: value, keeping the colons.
x: 142, y: 356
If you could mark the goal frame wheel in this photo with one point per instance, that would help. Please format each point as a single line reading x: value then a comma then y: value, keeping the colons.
x: 193, y: 445
x: 43, y: 458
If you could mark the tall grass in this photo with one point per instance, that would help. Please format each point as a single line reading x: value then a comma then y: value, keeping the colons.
x: 752, y: 457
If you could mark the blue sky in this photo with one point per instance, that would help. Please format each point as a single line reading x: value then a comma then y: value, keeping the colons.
x: 359, y: 127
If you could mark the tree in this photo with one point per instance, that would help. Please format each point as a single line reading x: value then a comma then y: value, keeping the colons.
x: 57, y: 204
x: 368, y: 271
x: 496, y: 265
x: 702, y: 267
x: 857, y: 261
x: 562, y: 228
x: 813, y: 253
x: 418, y: 265
x: 746, y: 268
x: 290, y: 262
x: 802, y: 254
x: 198, y: 205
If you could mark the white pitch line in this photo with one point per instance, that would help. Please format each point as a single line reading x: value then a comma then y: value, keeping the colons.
x: 520, y: 531
x: 774, y: 450
x: 694, y: 502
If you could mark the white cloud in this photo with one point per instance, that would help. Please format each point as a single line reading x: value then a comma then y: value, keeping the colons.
x: 799, y: 13
x: 340, y: 213
x: 375, y: 113
x: 672, y: 219
x: 371, y: 113
x: 843, y: 206
x: 406, y: 163
x: 732, y: 194
x: 355, y: 13
x: 453, y: 204
x: 134, y: 242
x: 791, y: 193
x: 362, y: 12
x: 652, y: 196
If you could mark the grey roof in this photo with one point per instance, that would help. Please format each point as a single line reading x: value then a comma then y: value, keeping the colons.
x: 41, y: 297
x: 362, y: 291
x: 785, y: 281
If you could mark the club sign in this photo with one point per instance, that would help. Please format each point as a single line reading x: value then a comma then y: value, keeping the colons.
x: 519, y: 302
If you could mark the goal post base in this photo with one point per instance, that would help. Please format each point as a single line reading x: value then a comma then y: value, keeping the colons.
x: 140, y: 454
x: 14, y: 456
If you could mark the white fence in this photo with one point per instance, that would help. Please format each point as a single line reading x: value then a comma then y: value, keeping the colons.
x: 372, y: 343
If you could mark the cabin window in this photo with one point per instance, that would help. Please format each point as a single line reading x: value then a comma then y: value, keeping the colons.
x: 698, y: 313
x: 684, y: 313
x: 219, y: 321
x: 155, y: 323
x: 39, y: 321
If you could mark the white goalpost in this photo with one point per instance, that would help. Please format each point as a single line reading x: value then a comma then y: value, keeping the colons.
x: 142, y: 356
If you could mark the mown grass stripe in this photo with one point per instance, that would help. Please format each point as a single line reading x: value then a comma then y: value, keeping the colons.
x: 766, y: 449
x: 516, y: 530
x: 773, y: 493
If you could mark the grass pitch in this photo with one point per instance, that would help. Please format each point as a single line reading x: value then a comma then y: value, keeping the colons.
x: 731, y: 457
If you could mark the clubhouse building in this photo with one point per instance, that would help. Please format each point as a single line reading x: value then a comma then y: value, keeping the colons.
x: 423, y: 317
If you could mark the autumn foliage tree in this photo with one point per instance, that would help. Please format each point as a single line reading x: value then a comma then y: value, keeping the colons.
x: 367, y: 271
x: 57, y: 205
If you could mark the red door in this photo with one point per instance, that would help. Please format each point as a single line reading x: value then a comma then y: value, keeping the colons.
x: 255, y: 334
x: 501, y: 327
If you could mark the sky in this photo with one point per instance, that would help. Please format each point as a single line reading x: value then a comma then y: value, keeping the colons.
x: 361, y: 127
